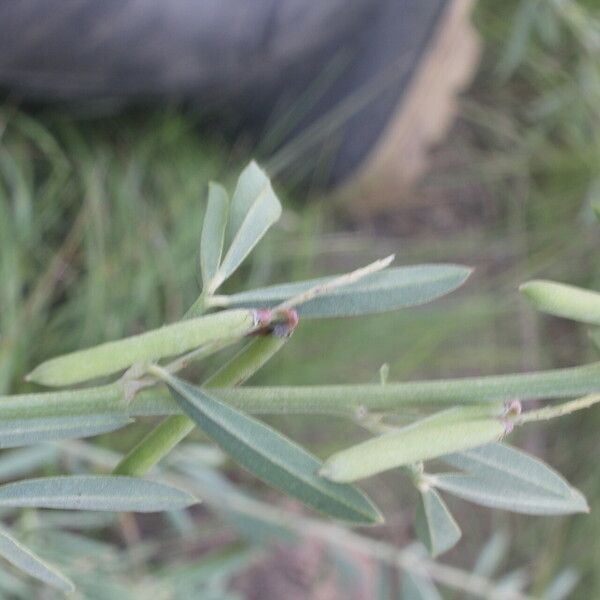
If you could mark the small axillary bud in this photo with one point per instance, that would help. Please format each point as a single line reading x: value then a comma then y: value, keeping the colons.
x: 281, y: 323
x: 512, y: 408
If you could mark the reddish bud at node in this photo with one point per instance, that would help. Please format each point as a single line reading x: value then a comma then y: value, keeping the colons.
x: 262, y: 317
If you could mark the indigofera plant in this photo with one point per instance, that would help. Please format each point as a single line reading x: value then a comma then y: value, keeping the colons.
x: 461, y: 422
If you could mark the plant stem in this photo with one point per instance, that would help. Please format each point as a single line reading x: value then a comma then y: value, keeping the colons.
x: 327, y: 287
x: 163, y: 438
x: 341, y: 400
x: 553, y: 412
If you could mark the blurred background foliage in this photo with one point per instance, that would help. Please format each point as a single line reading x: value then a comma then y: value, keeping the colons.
x: 99, y: 222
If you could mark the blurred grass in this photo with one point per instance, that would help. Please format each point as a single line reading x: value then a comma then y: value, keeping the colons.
x: 99, y: 222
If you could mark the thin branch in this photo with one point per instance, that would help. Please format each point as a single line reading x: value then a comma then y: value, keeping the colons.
x: 342, y: 280
x: 553, y: 412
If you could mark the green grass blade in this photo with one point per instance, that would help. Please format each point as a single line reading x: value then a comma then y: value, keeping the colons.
x: 24, y: 432
x: 94, y: 492
x: 434, y: 524
x: 213, y: 232
x: 503, y: 477
x: 386, y: 290
x: 170, y: 340
x: 271, y: 457
x: 27, y: 561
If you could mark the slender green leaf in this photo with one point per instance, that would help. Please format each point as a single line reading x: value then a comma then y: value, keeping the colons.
x: 23, y: 432
x: 563, y: 585
x: 491, y: 555
x: 415, y: 443
x: 18, y: 463
x: 416, y: 587
x: 94, y: 492
x: 385, y: 290
x: 435, y: 526
x: 271, y: 457
x: 253, y: 524
x: 500, y: 476
x: 213, y: 232
x: 28, y: 562
x: 563, y: 300
x: 169, y: 340
x: 487, y: 492
x: 254, y: 209
x: 61, y: 519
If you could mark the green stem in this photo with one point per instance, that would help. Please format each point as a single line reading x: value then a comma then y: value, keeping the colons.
x: 553, y: 412
x: 165, y: 436
x: 326, y: 399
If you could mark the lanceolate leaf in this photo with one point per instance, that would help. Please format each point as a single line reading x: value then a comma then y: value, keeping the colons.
x: 434, y: 524
x: 416, y: 587
x: 28, y: 562
x: 17, y: 463
x: 415, y: 443
x: 169, y: 340
x: 254, y: 208
x: 500, y: 476
x: 23, y: 432
x: 213, y: 232
x: 94, y: 492
x: 272, y: 457
x: 386, y: 290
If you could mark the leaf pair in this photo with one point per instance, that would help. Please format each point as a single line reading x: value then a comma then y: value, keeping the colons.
x: 270, y: 456
x: 238, y: 226
x: 496, y: 476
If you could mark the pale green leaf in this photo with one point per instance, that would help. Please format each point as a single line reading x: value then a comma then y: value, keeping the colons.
x: 415, y: 587
x: 254, y: 209
x: 563, y: 300
x: 94, y: 492
x: 385, y: 290
x: 435, y: 526
x: 487, y: 492
x: 415, y: 443
x: 500, y: 476
x: 169, y: 340
x: 563, y: 585
x: 213, y: 232
x: 491, y: 555
x: 271, y: 457
x: 17, y: 463
x: 23, y: 432
x: 28, y: 562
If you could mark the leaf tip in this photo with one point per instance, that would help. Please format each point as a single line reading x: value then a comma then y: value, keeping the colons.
x: 326, y: 472
x: 530, y: 288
